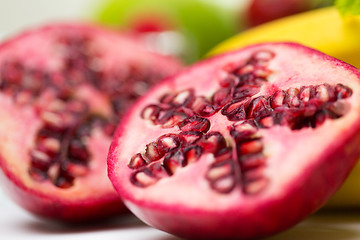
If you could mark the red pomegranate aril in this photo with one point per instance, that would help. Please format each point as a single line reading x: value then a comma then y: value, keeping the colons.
x: 224, y: 184
x: 171, y: 118
x: 183, y: 98
x: 167, y: 98
x: 76, y: 170
x: 158, y: 170
x: 252, y: 161
x: 203, y: 107
x: 235, y: 110
x: 195, y: 123
x: 255, y: 153
x: 306, y: 93
x: 292, y: 99
x: 266, y: 122
x: 212, y: 142
x: 143, y: 178
x: 40, y: 160
x: 342, y: 91
x: 137, y: 161
x: 278, y: 99
x: 262, y: 57
x: 338, y: 108
x: 153, y: 152
x: 224, y: 154
x: 221, y: 97
x: 77, y: 150
x: 173, y: 161
x: 220, y: 169
x: 151, y: 112
x: 258, y: 107
x: 245, y: 91
x: 255, y: 187
x: 168, y: 142
x: 190, y: 137
x: 192, y: 153
x: 250, y: 147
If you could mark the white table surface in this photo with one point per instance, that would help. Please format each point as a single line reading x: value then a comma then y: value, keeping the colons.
x: 16, y: 223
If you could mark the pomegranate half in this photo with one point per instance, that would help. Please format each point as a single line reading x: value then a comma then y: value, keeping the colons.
x: 239, y: 146
x: 63, y: 89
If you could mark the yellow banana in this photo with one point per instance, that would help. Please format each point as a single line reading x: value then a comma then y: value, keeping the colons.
x: 322, y: 29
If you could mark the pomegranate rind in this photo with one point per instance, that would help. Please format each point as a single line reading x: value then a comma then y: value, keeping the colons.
x: 91, y: 197
x: 305, y: 166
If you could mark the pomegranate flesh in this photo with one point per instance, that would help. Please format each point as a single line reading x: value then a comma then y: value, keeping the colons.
x: 240, y: 146
x: 63, y: 88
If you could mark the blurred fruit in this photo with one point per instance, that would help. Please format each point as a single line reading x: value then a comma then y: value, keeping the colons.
x: 261, y: 11
x: 322, y: 29
x: 186, y: 28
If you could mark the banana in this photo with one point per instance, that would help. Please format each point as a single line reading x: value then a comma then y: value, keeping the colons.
x: 323, y: 29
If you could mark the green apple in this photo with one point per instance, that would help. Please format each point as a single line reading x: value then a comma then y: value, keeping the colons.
x: 186, y: 28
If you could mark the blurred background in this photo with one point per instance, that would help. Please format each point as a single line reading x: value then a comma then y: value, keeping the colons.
x: 185, y: 28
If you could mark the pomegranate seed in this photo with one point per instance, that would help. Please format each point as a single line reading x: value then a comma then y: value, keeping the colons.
x: 252, y: 161
x: 192, y: 154
x: 151, y: 112
x: 173, y: 161
x: 342, y: 91
x: 245, y: 91
x: 212, y: 142
x: 258, y: 107
x: 221, y: 97
x: 292, y: 99
x: 224, y: 155
x: 203, y: 107
x: 255, y: 186
x: 263, y: 56
x: 220, y: 169
x: 137, y: 161
x: 76, y: 170
x: 172, y: 118
x: 143, y: 178
x: 195, y: 123
x: 250, y: 147
x: 190, y: 137
x: 37, y: 174
x: 278, y: 99
x: 78, y: 150
x: 223, y: 185
x: 183, y: 98
x: 266, y: 122
x: 235, y: 110
x: 157, y: 170
x: 168, y: 142
x: 306, y: 93
x: 153, y: 152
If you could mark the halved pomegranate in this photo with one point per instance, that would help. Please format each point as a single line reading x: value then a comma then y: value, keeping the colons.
x: 63, y: 89
x: 240, y: 146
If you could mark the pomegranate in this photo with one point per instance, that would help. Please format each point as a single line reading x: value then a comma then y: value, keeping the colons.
x: 63, y: 89
x: 240, y: 146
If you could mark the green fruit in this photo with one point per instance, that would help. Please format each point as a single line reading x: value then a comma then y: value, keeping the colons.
x: 199, y: 24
